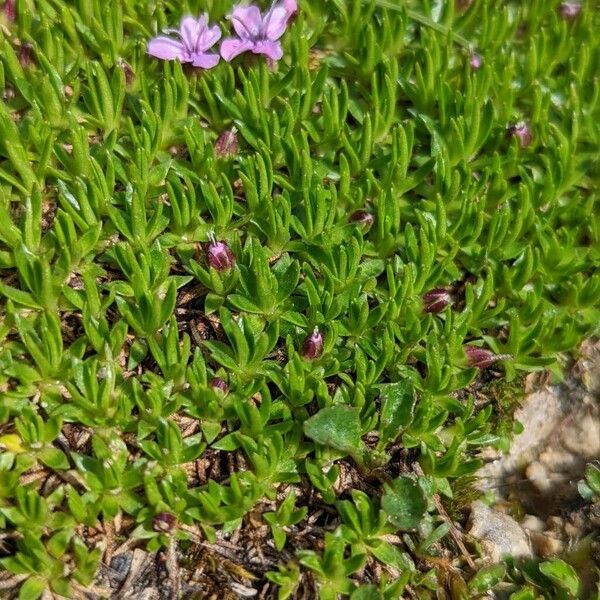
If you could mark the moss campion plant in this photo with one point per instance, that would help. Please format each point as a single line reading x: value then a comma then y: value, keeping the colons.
x: 254, y: 262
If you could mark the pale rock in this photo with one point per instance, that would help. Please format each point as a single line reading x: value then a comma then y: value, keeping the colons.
x: 498, y: 534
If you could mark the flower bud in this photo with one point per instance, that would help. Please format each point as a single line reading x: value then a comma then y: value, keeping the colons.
x: 127, y: 71
x: 475, y: 61
x: 522, y: 132
x: 25, y: 54
x: 436, y: 300
x: 312, y: 347
x: 480, y: 358
x: 164, y: 522
x: 363, y: 218
x: 9, y: 8
x: 227, y: 144
x: 569, y: 10
x: 463, y: 5
x: 216, y: 383
x: 220, y: 256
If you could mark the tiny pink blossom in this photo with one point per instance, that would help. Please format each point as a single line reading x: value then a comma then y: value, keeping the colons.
x: 258, y: 33
x: 522, y: 132
x: 569, y: 10
x: 193, y: 38
x: 475, y: 61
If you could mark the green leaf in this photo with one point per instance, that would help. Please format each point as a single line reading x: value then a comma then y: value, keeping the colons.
x: 487, y: 578
x: 397, y: 404
x: 562, y: 575
x: 32, y: 588
x: 404, y: 502
x: 54, y: 458
x: 337, y: 427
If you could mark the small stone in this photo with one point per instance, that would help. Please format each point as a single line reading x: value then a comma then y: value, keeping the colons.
x: 545, y: 545
x: 533, y: 523
x: 499, y: 534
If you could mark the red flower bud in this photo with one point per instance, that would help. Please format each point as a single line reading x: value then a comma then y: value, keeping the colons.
x: 480, y: 358
x: 163, y: 522
x: 217, y: 383
x: 522, y: 132
x: 227, y: 144
x: 363, y: 218
x: 220, y: 256
x: 312, y: 347
x: 9, y: 8
x: 436, y: 300
x: 25, y: 54
x: 569, y: 10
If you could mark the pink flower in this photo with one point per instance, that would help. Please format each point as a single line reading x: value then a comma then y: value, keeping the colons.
x: 258, y: 33
x: 475, y: 61
x: 522, y: 132
x: 569, y: 10
x: 195, y: 38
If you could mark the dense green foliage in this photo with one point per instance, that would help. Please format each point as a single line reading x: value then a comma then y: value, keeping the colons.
x: 114, y: 324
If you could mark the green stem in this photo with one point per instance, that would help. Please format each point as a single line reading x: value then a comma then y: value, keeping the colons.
x: 427, y: 21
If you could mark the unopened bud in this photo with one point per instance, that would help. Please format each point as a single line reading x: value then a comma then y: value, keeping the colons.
x: 127, y: 71
x: 363, y: 218
x: 436, y: 300
x: 216, y: 383
x: 163, y: 522
x: 220, y: 256
x: 569, y: 10
x: 25, y: 54
x: 227, y: 144
x: 312, y: 347
x: 522, y: 132
x: 9, y: 8
x: 480, y: 358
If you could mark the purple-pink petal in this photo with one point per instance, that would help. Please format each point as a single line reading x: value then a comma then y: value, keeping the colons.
x: 205, y: 61
x: 190, y: 29
x: 208, y: 38
x: 271, y: 49
x: 247, y: 21
x: 232, y: 47
x: 276, y: 22
x: 166, y: 48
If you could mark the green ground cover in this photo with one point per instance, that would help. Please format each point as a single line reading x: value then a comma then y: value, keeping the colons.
x: 320, y: 277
